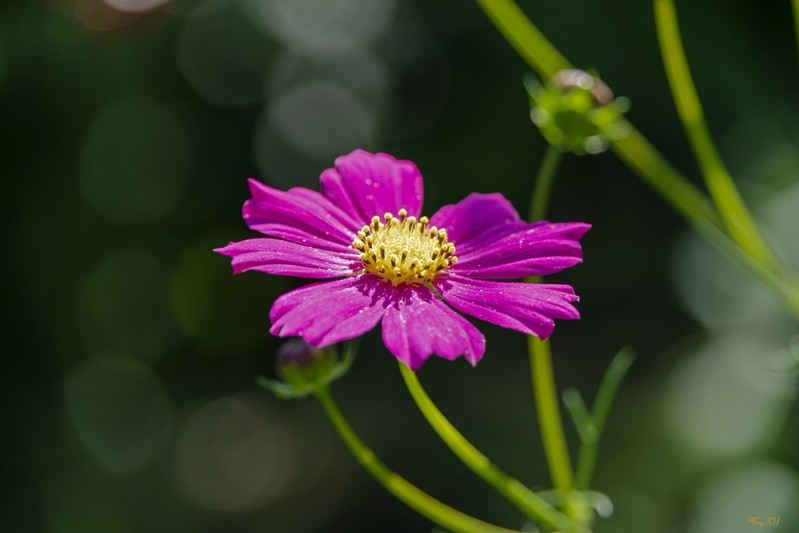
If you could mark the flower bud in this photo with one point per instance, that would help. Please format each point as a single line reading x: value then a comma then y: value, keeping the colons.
x: 300, y: 365
x: 305, y: 369
x: 576, y: 112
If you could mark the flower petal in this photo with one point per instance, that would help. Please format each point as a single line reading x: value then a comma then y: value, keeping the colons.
x: 330, y: 312
x: 368, y: 185
x: 476, y: 219
x: 299, y: 215
x: 526, y: 307
x: 539, y: 250
x: 417, y: 325
x: 283, y: 258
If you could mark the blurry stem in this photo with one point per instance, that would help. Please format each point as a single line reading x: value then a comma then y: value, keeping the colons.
x: 514, y: 491
x: 641, y: 156
x: 542, y: 376
x: 717, y: 178
x: 528, y: 41
x: 543, y: 183
x: 795, y: 5
x: 644, y: 159
x: 421, y: 502
x: 586, y: 459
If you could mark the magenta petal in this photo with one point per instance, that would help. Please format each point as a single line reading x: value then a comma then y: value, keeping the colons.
x: 417, y: 325
x: 538, y: 250
x: 368, y: 185
x: 283, y: 258
x: 330, y: 312
x: 476, y: 219
x: 299, y: 215
x: 527, y: 307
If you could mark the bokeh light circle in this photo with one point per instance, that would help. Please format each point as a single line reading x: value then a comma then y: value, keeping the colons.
x: 780, y: 216
x: 120, y: 410
x: 135, y: 6
x: 231, y: 454
x: 306, y: 128
x: 223, y: 315
x: 322, y: 118
x: 136, y: 159
x: 323, y: 27
x: 360, y: 71
x: 760, y: 489
x: 725, y: 399
x: 124, y: 306
x: 223, y: 56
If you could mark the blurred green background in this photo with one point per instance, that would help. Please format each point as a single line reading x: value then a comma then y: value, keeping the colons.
x: 129, y: 129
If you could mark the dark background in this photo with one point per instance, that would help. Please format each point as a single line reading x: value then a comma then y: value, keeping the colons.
x: 130, y: 350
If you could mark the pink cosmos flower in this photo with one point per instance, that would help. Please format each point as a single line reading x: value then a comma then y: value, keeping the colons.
x: 364, y: 232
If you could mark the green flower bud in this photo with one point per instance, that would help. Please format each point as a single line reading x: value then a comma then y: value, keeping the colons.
x: 305, y: 369
x: 576, y: 112
x: 301, y: 366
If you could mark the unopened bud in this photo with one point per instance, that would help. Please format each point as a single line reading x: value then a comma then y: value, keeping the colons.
x: 576, y: 112
x: 304, y: 369
x: 300, y: 365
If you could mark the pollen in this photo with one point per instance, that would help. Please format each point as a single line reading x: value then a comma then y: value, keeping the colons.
x: 403, y: 249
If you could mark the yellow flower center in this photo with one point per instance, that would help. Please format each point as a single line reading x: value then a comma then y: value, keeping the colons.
x: 403, y: 249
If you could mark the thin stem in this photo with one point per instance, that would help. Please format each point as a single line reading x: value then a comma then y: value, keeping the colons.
x: 543, y: 183
x: 528, y: 41
x: 694, y: 206
x: 542, y: 376
x: 644, y: 159
x: 586, y: 459
x: 718, y: 180
x: 636, y: 151
x: 549, y: 420
x: 540, y: 355
x: 513, y: 490
x: 795, y: 5
x: 409, y: 494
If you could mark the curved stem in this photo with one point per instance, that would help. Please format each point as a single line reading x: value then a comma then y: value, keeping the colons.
x: 523, y: 498
x: 543, y: 184
x: 636, y: 151
x: 647, y: 162
x: 418, y: 500
x: 718, y: 180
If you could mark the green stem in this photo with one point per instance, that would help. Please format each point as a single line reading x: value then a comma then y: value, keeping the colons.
x: 633, y: 149
x: 542, y: 376
x: 644, y: 159
x: 694, y: 206
x: 528, y: 41
x: 795, y: 5
x: 543, y: 183
x: 409, y: 494
x: 549, y: 420
x: 641, y: 156
x: 718, y: 180
x: 514, y: 491
x: 586, y: 459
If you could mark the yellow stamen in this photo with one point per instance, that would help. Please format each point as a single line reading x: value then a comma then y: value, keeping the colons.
x: 403, y: 249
